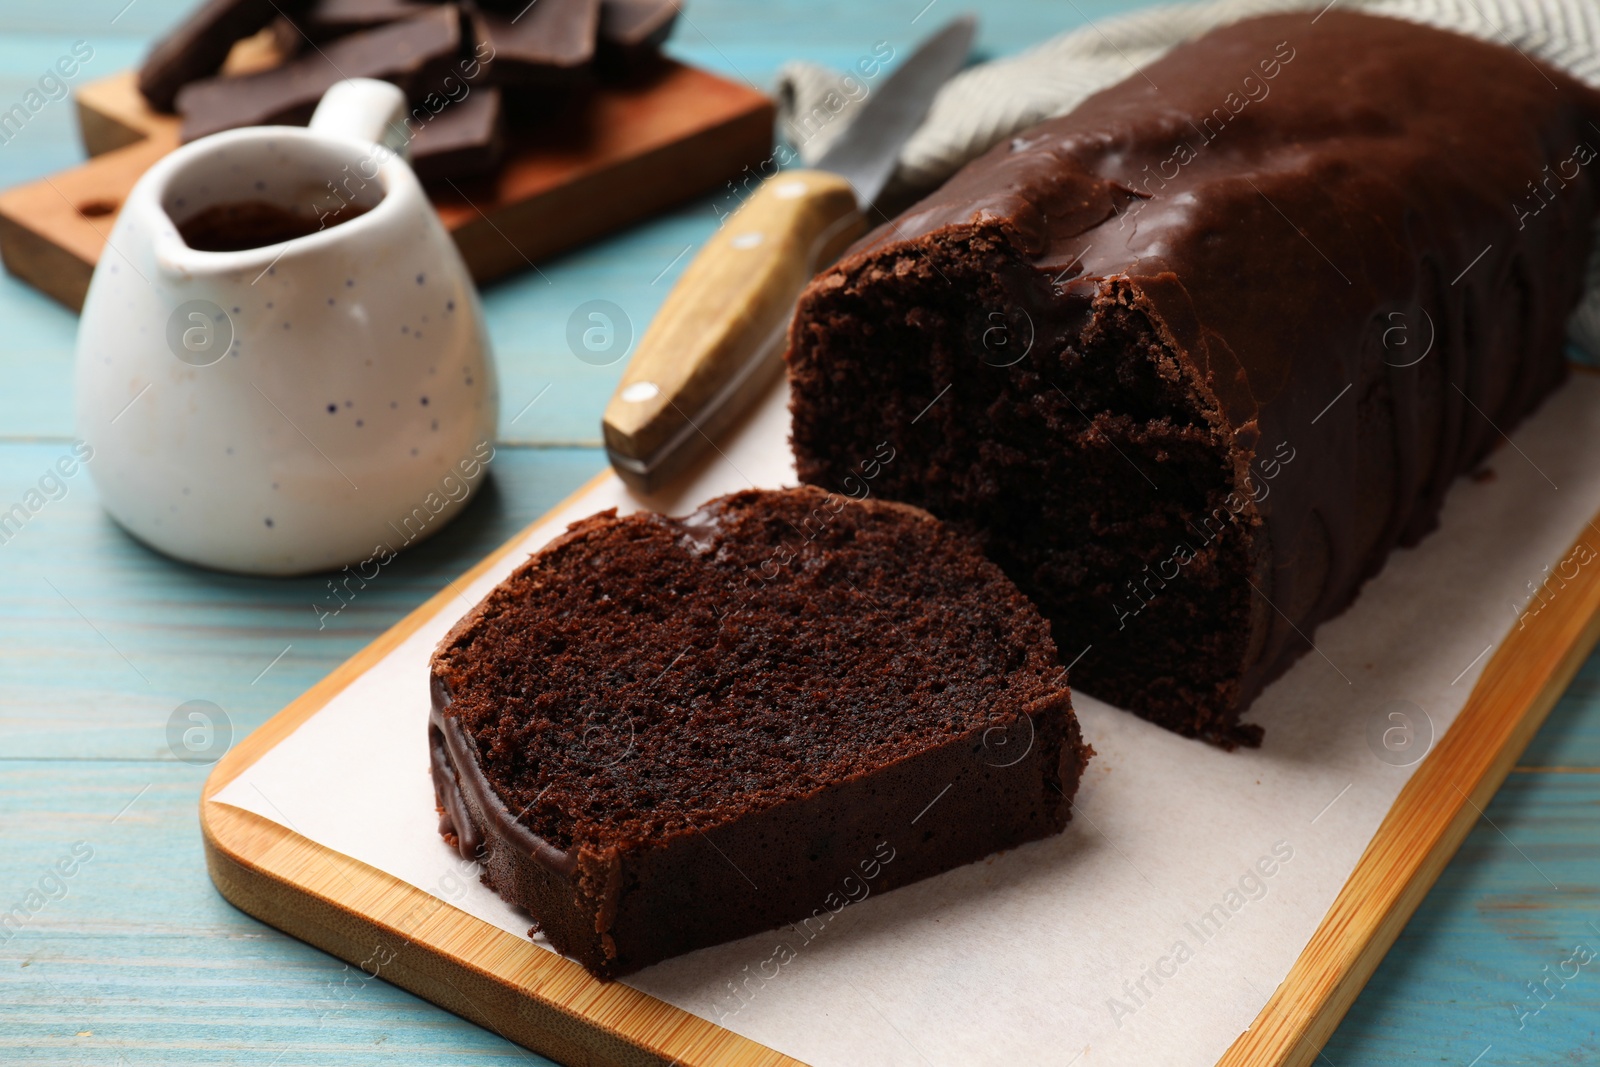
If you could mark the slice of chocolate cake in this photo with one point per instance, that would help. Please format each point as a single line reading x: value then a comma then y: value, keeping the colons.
x: 1190, y: 360
x: 659, y: 734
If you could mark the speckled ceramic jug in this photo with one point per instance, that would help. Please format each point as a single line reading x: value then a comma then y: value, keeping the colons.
x: 301, y: 405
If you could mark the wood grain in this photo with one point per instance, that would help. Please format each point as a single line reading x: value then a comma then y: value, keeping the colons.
x: 627, y: 152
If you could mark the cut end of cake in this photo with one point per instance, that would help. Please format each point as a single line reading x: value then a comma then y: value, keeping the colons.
x: 654, y: 715
x: 1080, y: 451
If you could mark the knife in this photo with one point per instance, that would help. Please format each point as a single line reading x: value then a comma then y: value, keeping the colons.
x: 717, y: 342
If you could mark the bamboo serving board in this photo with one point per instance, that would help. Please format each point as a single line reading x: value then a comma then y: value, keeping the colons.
x: 547, y: 1003
x: 627, y: 153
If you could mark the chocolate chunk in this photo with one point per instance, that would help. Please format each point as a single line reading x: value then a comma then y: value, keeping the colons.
x: 550, y: 42
x: 200, y: 44
x: 632, y: 32
x: 417, y: 54
x: 325, y: 20
x: 463, y: 140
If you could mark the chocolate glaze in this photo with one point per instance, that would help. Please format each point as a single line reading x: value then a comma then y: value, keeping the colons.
x: 484, y: 820
x: 1274, y: 197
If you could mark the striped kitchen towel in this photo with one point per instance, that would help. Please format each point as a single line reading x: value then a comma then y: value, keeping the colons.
x: 987, y: 103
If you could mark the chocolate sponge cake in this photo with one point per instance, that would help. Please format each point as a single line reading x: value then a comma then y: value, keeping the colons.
x: 659, y: 733
x: 1191, y: 360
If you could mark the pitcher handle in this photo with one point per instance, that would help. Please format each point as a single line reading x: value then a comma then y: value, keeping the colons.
x: 364, y: 109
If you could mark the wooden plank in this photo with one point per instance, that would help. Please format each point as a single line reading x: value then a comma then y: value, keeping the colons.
x: 1570, y: 740
x: 1515, y: 901
x: 1427, y: 823
x: 140, y: 961
x: 626, y: 153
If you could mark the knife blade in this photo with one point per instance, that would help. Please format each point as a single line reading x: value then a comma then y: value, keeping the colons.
x: 717, y: 341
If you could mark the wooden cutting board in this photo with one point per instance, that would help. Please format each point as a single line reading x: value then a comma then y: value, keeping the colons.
x: 630, y: 152
x: 539, y: 999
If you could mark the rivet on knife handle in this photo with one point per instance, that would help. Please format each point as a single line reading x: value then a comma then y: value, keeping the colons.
x: 717, y: 338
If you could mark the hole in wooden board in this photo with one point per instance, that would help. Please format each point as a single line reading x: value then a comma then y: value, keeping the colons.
x: 98, y: 208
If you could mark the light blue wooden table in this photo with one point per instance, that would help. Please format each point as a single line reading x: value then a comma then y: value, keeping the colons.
x: 134, y: 958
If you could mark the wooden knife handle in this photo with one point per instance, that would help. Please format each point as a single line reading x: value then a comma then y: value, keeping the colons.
x: 718, y: 323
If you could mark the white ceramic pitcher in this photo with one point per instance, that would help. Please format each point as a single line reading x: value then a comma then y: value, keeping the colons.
x: 298, y: 406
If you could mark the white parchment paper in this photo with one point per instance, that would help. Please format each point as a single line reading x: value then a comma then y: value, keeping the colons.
x: 1154, y: 929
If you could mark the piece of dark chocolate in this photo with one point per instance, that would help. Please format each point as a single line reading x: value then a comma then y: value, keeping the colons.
x: 464, y: 140
x: 1192, y: 359
x: 417, y: 54
x: 632, y: 33
x: 200, y: 44
x: 325, y: 20
x: 549, y: 42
